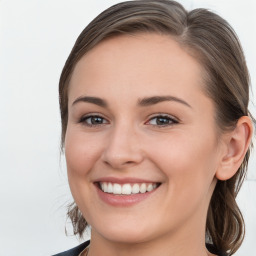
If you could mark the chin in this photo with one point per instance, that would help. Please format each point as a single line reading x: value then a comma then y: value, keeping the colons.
x: 124, y: 233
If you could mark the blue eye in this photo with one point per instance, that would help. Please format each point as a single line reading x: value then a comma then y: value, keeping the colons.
x: 162, y: 120
x: 93, y: 120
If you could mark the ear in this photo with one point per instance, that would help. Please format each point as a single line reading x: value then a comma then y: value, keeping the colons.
x: 236, y: 145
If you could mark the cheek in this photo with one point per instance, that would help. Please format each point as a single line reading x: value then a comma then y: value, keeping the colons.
x: 81, y: 153
x: 189, y: 170
x: 189, y: 162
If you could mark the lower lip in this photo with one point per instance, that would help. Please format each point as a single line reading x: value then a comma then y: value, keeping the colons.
x: 123, y: 200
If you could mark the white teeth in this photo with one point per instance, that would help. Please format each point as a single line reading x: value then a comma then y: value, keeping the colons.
x: 110, y: 188
x: 126, y: 189
x: 117, y: 189
x: 105, y: 187
x: 150, y: 187
x: 143, y: 188
x: 135, y: 188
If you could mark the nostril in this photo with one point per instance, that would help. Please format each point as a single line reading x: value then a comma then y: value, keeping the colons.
x: 129, y: 162
x: 119, y: 164
x: 120, y: 161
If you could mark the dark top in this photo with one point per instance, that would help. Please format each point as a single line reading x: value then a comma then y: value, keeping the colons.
x: 75, y: 251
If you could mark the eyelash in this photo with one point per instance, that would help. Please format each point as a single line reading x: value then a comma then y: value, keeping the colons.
x: 171, y: 120
x: 84, y: 119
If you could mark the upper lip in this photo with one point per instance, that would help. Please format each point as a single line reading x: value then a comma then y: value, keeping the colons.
x: 124, y: 180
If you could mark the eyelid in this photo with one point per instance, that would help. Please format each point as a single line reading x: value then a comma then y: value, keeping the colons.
x: 90, y: 115
x: 174, y: 120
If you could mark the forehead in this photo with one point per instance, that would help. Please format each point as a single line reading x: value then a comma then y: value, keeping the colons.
x: 152, y: 61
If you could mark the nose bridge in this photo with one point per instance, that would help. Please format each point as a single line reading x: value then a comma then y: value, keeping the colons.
x: 123, y: 147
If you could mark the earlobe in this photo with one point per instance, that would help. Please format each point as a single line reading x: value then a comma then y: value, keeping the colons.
x: 237, y: 143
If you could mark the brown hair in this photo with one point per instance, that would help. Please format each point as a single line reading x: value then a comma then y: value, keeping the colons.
x: 212, y: 41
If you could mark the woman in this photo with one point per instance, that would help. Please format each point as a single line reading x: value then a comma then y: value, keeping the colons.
x: 156, y: 131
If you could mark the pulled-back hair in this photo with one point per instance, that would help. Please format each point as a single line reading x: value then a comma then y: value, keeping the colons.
x: 214, y: 44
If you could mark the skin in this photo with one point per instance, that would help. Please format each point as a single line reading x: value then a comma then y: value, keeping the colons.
x: 184, y: 155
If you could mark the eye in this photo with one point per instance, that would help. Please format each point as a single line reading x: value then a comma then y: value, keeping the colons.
x: 93, y: 120
x: 162, y: 120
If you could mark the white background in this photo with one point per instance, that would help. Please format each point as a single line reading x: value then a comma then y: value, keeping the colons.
x: 35, y: 40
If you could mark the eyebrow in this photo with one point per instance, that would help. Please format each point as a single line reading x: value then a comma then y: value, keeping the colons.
x: 95, y: 100
x: 157, y: 99
x: 144, y: 102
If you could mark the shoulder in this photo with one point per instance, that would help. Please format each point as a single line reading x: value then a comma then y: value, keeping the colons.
x: 212, y: 249
x: 74, y: 251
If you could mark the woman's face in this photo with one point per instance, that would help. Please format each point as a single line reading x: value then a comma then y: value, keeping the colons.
x: 139, y: 120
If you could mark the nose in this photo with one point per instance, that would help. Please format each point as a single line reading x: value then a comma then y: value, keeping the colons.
x: 122, y: 149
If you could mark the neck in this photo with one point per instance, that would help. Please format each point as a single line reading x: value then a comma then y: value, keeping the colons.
x: 192, y: 244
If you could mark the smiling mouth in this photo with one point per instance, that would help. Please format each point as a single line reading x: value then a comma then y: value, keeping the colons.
x: 127, y: 188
